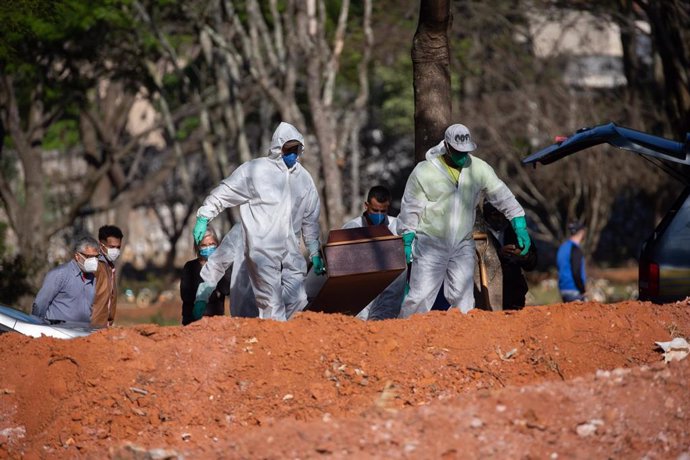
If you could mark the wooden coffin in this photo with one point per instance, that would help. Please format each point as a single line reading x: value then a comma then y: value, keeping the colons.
x: 360, y: 264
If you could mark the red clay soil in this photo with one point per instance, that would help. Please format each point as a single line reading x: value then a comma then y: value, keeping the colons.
x: 562, y: 381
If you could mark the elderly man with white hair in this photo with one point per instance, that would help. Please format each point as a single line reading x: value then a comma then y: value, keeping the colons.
x: 68, y: 290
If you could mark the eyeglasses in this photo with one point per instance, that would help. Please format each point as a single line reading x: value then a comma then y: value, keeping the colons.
x: 86, y: 256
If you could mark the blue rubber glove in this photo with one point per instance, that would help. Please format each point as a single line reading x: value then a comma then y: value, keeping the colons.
x: 199, y: 309
x: 319, y: 268
x: 408, y: 238
x: 520, y: 226
x: 199, y: 229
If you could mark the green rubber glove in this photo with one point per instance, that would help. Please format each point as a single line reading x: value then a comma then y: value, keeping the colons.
x: 520, y: 226
x: 408, y: 238
x: 204, y: 291
x: 199, y: 229
x: 199, y: 309
x: 319, y: 268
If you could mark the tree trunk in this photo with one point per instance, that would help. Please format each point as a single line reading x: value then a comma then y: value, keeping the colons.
x: 670, y: 24
x: 26, y: 209
x: 431, y: 68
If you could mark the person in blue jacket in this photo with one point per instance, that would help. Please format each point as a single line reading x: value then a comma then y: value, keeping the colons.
x: 571, y: 264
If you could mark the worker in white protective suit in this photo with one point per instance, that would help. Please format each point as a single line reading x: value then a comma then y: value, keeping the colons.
x: 278, y: 204
x: 230, y: 253
x: 387, y: 304
x: 437, y: 217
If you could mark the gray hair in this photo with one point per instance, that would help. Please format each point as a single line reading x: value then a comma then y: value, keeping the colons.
x: 85, y: 242
x: 210, y: 231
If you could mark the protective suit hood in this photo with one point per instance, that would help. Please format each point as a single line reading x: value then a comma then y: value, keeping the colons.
x: 283, y: 133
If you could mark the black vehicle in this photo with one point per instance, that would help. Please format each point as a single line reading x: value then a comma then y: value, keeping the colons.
x: 664, y: 266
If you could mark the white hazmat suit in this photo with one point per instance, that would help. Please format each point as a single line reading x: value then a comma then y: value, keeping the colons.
x: 442, y: 213
x: 278, y: 205
x: 387, y: 304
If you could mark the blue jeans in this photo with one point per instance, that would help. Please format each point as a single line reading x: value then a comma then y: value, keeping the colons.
x: 572, y: 296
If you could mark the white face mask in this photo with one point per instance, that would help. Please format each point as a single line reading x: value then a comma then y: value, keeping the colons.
x: 113, y: 254
x: 90, y: 265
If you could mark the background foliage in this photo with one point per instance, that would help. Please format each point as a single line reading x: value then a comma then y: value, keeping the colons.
x: 207, y: 82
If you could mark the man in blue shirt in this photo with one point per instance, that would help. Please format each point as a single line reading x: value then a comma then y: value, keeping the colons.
x: 68, y: 290
x: 571, y: 265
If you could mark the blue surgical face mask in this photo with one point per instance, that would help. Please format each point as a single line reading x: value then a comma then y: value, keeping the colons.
x: 207, y: 251
x: 290, y: 159
x: 376, y: 218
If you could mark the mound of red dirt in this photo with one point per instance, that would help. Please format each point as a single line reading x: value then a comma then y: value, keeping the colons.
x: 577, y: 381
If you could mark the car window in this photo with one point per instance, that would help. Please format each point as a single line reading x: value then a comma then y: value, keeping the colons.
x: 20, y: 315
x: 675, y: 244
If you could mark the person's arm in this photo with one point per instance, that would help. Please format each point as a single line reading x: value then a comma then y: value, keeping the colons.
x: 232, y: 191
x: 188, y: 283
x: 412, y: 204
x: 113, y: 303
x: 529, y: 261
x: 311, y: 231
x: 99, y: 308
x: 51, y: 286
x: 354, y: 223
x: 223, y: 286
x: 188, y: 291
x: 222, y: 259
x: 577, y: 267
x: 499, y: 195
x: 310, y: 222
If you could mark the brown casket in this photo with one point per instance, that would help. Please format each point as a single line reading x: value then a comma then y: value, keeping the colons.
x: 360, y: 264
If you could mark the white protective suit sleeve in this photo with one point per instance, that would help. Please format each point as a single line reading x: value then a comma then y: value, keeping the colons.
x: 310, y: 223
x: 232, y: 191
x: 412, y: 204
x: 500, y: 196
x: 354, y: 223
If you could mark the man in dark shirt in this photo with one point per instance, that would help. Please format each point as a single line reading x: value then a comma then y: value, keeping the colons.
x: 571, y: 265
x: 68, y: 290
x: 503, y: 237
